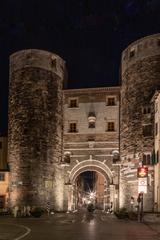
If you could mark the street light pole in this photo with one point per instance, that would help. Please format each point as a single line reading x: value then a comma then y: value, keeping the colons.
x: 141, y: 210
x: 140, y: 207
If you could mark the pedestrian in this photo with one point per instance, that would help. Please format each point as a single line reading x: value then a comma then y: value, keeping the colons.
x: 15, y: 211
x: 111, y: 207
x: 28, y: 211
x: 20, y: 211
x: 48, y: 208
x: 24, y: 211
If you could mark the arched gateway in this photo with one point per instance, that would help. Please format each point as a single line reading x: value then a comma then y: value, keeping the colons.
x: 91, y: 137
x: 92, y: 165
x: 95, y: 166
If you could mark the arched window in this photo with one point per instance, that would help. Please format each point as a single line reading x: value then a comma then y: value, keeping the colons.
x: 146, y: 159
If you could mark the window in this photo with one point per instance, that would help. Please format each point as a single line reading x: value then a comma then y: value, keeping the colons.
x: 132, y: 53
x: 110, y: 127
x: 91, y: 124
x: 147, y: 130
x: 156, y: 128
x: 2, y: 201
x: 111, y: 101
x: 146, y: 159
x: 53, y: 63
x: 157, y: 156
x: 73, y: 103
x: 73, y: 127
x: 2, y: 176
x: 146, y: 110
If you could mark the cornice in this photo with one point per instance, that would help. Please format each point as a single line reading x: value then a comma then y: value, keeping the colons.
x: 93, y: 90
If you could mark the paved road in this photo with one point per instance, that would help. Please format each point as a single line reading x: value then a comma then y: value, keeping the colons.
x: 77, y: 226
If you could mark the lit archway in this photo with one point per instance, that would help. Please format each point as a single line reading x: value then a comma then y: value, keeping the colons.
x: 90, y: 165
x: 84, y: 166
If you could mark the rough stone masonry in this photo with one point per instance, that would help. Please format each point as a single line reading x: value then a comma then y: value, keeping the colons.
x: 140, y: 79
x: 35, y: 126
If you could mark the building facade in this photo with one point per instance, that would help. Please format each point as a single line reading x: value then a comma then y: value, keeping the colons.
x: 156, y: 100
x: 91, y: 136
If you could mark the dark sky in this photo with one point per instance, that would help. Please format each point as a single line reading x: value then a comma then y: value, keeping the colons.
x: 89, y: 34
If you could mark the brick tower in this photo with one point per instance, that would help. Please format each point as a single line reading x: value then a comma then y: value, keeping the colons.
x: 35, y: 126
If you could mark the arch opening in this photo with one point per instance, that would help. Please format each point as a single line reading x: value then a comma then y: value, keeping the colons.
x: 91, y: 188
x: 91, y: 181
x: 90, y: 165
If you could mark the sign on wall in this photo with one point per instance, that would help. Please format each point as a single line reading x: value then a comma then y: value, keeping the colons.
x: 142, y: 172
x: 142, y: 185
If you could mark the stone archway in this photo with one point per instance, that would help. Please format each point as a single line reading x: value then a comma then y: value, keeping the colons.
x: 88, y: 165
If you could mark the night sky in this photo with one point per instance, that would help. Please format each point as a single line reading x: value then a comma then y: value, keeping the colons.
x: 89, y: 34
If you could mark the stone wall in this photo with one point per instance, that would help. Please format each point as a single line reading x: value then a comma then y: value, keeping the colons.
x: 35, y: 125
x: 140, y: 79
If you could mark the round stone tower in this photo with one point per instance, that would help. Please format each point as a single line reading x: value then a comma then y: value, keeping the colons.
x: 35, y: 126
x: 140, y: 69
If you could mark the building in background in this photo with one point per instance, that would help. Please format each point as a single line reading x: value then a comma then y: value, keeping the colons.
x: 102, y: 201
x: 4, y: 173
x: 156, y: 100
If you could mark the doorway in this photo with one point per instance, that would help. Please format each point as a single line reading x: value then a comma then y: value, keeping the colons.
x: 91, y: 188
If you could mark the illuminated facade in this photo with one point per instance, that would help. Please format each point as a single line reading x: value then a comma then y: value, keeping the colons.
x: 156, y: 100
x: 56, y: 134
x: 91, y: 136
